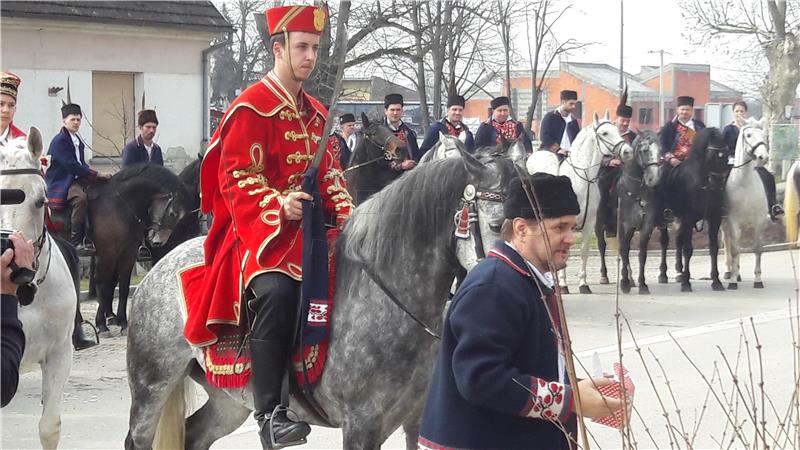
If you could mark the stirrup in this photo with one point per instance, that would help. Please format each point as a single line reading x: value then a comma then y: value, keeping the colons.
x: 278, y: 445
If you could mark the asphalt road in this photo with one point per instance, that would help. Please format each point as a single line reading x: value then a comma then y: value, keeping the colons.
x: 705, y: 323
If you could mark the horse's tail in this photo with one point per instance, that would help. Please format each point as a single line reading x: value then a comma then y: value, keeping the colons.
x: 171, y: 429
x: 790, y: 205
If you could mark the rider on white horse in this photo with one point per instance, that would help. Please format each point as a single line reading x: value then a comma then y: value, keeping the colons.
x: 731, y: 133
x: 559, y: 128
x: 450, y: 125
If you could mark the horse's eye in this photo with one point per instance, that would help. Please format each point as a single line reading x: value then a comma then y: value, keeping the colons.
x: 40, y: 203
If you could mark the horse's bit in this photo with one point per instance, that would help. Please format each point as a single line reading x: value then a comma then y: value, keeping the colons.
x: 750, y: 151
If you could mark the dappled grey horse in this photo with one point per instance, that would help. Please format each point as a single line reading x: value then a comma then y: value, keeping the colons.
x: 396, y: 249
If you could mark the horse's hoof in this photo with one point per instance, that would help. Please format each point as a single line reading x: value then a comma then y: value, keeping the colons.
x: 644, y: 289
x: 733, y: 286
x: 123, y: 331
x: 564, y: 290
x: 585, y: 289
x: 112, y: 320
x: 625, y: 287
x: 727, y: 276
x: 662, y: 279
x: 758, y: 284
x: 739, y: 278
x: 686, y: 287
x: 604, y: 280
x: 717, y: 286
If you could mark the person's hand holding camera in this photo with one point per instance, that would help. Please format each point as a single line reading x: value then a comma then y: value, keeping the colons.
x: 21, y: 254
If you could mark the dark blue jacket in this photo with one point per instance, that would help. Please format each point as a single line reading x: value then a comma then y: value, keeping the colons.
x: 552, y: 129
x: 12, y: 338
x: 486, y: 136
x: 410, y: 138
x: 497, y: 330
x: 731, y: 135
x: 64, y: 168
x: 669, y: 134
x: 432, y: 137
x: 134, y: 153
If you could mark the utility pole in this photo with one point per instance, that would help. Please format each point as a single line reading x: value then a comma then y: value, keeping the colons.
x: 661, y: 119
x: 621, y: 41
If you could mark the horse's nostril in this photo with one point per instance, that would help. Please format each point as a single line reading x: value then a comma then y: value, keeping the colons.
x: 495, y: 228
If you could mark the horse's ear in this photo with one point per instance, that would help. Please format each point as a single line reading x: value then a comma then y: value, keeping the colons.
x: 517, y: 153
x: 364, y: 121
x: 608, y: 116
x: 35, y: 142
x: 475, y: 168
x: 596, y: 117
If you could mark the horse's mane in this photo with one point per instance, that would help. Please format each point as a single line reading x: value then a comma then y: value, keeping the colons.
x: 152, y: 173
x: 647, y: 137
x: 701, y: 142
x: 413, y: 202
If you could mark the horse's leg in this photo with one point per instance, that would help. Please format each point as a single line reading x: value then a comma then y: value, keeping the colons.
x: 220, y: 416
x: 361, y: 436
x: 625, y: 237
x: 583, y: 286
x: 685, y: 248
x: 55, y: 371
x: 599, y: 231
x: 757, y: 282
x: 662, y: 270
x: 128, y: 260
x: 105, y: 275
x: 680, y: 243
x: 644, y: 240
x: 731, y: 252
x: 562, y: 281
x: 411, y: 427
x: 150, y: 390
x: 726, y: 244
x: 713, y: 244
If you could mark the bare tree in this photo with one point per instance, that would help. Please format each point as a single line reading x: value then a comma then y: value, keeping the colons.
x: 771, y: 26
x: 543, y: 47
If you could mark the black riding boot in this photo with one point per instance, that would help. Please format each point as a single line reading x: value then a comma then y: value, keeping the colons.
x: 268, y: 368
x: 78, y: 239
x: 79, y: 339
x: 271, y: 332
x: 775, y: 209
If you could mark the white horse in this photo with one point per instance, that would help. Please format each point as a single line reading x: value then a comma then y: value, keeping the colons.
x: 447, y: 147
x: 49, y: 320
x: 582, y: 165
x: 746, y: 200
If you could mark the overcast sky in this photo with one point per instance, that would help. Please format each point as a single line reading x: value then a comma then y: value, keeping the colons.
x: 650, y: 25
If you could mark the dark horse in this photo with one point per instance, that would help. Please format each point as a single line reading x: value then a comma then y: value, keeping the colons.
x: 695, y: 191
x: 144, y: 201
x: 374, y: 162
x: 637, y: 206
x: 189, y: 226
x: 379, y: 361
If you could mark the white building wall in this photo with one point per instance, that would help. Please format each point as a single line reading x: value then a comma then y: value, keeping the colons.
x: 167, y: 67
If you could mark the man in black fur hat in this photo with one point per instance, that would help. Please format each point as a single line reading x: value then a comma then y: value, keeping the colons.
x: 611, y: 169
x: 393, y: 112
x: 500, y: 380
x: 339, y: 140
x: 143, y: 149
x: 501, y: 126
x: 450, y: 125
x: 559, y: 128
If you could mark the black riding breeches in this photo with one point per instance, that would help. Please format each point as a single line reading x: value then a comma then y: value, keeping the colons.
x: 769, y: 185
x: 273, y: 307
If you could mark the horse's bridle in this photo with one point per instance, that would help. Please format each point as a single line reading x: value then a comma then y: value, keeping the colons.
x: 750, y: 151
x: 38, y: 244
x: 159, y: 224
x: 469, y: 201
x: 610, y: 147
x: 387, y: 155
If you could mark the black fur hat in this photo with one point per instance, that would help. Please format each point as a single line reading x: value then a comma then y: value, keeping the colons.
x: 70, y: 108
x: 569, y: 95
x: 347, y: 118
x: 554, y: 194
x: 456, y: 100
x: 500, y: 101
x: 685, y: 100
x: 392, y: 99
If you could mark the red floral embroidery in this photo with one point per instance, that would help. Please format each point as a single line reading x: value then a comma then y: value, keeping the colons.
x: 507, y: 130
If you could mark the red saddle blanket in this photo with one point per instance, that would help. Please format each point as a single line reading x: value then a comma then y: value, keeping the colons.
x: 227, y: 361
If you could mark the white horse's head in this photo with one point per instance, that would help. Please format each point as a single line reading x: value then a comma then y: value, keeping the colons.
x: 447, y: 147
x: 608, y: 139
x: 542, y: 162
x: 21, y: 169
x: 752, y: 144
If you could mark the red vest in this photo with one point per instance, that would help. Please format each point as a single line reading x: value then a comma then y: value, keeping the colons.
x: 258, y: 154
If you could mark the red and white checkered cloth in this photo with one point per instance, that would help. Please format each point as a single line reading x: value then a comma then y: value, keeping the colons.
x: 615, y: 391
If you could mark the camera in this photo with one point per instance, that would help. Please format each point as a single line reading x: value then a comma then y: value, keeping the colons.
x: 19, y: 275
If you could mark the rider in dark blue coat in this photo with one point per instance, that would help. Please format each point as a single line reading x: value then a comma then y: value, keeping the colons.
x: 500, y: 126
x: 450, y: 125
x: 731, y: 134
x: 559, y: 128
x: 393, y: 112
x: 499, y: 380
x: 143, y: 149
x: 68, y: 175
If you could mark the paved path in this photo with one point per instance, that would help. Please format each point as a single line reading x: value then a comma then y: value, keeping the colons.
x: 96, y: 400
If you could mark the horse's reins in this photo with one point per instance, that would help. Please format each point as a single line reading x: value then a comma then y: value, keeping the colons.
x: 38, y: 245
x: 387, y: 155
x: 750, y: 152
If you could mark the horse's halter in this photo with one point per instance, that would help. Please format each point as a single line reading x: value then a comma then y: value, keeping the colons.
x: 467, y: 219
x: 159, y: 224
x: 387, y: 155
x: 639, y: 156
x: 38, y: 244
x: 610, y: 147
x: 750, y: 150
